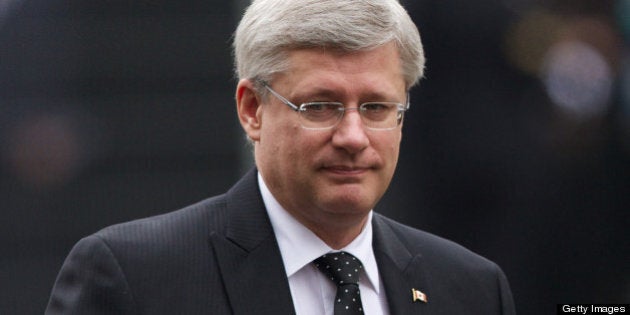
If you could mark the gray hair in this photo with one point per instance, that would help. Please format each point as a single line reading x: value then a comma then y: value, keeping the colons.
x: 271, y: 28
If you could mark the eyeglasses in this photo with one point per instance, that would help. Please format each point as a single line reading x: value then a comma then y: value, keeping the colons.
x: 326, y: 115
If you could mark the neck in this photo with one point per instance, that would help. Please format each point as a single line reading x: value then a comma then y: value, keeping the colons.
x: 339, y: 233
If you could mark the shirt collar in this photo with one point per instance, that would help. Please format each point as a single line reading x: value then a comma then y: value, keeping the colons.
x: 299, y: 246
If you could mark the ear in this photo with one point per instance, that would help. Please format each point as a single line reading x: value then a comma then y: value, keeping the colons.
x: 249, y: 108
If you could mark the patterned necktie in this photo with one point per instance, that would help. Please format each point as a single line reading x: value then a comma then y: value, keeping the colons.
x: 343, y: 269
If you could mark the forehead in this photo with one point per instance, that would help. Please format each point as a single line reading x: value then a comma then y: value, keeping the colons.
x: 378, y: 71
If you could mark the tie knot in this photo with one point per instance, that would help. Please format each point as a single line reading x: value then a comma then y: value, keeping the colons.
x: 341, y: 267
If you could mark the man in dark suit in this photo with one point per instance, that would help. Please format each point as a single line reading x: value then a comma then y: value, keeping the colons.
x: 322, y: 94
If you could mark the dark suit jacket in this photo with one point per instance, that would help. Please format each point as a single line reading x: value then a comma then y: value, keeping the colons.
x: 220, y: 256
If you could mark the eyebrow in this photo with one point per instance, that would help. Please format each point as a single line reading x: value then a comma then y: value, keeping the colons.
x: 317, y: 94
x: 324, y: 94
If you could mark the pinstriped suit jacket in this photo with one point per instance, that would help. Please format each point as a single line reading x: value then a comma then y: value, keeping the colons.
x: 220, y: 256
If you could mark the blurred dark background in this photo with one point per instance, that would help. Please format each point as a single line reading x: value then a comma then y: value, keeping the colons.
x: 517, y: 144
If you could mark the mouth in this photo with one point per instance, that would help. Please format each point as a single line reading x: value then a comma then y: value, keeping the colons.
x: 346, y: 170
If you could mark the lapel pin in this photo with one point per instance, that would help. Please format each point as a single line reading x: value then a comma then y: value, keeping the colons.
x: 418, y: 296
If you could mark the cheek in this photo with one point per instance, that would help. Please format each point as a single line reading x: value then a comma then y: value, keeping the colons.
x: 283, y: 144
x: 304, y: 150
x: 388, y: 147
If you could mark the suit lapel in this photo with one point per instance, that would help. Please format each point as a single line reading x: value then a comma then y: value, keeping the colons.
x: 400, y: 271
x: 248, y: 255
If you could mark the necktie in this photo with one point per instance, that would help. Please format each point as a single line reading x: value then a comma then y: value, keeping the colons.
x: 343, y: 270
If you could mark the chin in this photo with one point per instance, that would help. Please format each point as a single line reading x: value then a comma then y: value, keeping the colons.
x: 349, y: 204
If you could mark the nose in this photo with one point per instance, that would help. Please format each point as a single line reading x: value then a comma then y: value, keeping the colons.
x: 349, y: 134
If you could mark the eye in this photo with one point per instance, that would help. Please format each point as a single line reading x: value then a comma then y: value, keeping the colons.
x: 320, y: 110
x: 375, y: 107
x: 378, y: 111
x: 319, y: 107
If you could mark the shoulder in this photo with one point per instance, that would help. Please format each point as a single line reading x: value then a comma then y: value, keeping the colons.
x: 200, y: 219
x: 195, y: 222
x: 445, y: 269
x: 433, y: 249
x: 152, y: 246
x: 123, y: 268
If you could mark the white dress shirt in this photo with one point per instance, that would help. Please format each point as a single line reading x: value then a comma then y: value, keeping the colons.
x: 312, y: 292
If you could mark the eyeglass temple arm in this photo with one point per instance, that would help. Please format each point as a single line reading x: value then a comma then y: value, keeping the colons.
x: 280, y: 97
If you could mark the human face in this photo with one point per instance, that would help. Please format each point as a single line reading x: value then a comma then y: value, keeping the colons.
x: 336, y: 176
